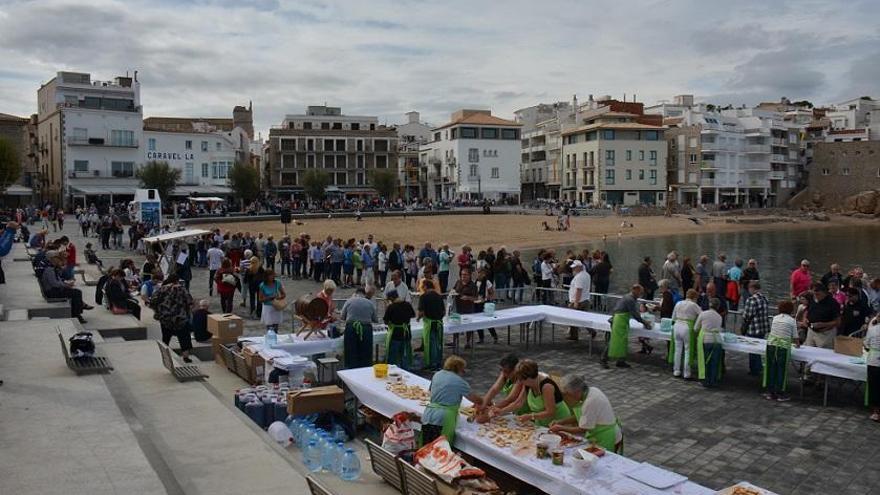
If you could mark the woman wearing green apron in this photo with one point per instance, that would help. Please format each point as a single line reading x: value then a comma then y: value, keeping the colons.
x: 618, y: 345
x: 683, y: 346
x: 592, y: 415
x: 710, y: 351
x: 783, y: 331
x: 447, y: 389
x: 540, y: 395
x: 431, y: 311
x: 398, y: 346
x: 506, y: 385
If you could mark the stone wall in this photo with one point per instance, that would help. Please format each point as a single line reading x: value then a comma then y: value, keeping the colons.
x: 840, y: 170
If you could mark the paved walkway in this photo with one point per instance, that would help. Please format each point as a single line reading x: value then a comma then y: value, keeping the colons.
x: 714, y: 437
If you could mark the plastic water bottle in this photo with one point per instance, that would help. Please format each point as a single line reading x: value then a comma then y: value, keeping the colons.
x: 339, y: 434
x: 271, y: 338
x: 312, y: 457
x: 350, y: 469
x: 337, y: 464
x: 328, y: 454
x: 280, y: 433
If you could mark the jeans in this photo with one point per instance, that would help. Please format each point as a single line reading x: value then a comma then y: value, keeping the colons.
x: 444, y: 280
x: 518, y: 292
x: 255, y: 305
x: 285, y: 267
x: 502, y: 282
x: 270, y: 263
x: 756, y: 367
x: 75, y: 296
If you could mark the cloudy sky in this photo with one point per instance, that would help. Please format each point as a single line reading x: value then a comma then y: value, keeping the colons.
x: 202, y: 57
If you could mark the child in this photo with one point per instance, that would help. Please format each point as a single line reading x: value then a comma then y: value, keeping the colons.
x: 872, y: 388
x: 783, y: 332
x: 199, y: 322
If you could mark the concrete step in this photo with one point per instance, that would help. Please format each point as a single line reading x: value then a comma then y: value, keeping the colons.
x: 17, y: 315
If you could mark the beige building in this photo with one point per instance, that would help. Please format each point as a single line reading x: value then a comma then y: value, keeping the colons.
x: 841, y: 169
x: 21, y: 133
x: 614, y: 160
x: 348, y: 148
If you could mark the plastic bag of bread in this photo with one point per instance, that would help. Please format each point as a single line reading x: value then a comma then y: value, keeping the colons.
x: 439, y: 458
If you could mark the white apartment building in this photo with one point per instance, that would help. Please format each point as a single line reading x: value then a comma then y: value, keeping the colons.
x: 474, y: 156
x: 203, y: 158
x: 614, y: 160
x: 410, y: 137
x: 90, y: 134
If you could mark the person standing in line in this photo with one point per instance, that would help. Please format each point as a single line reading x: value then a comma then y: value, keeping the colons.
x: 647, y: 278
x: 284, y: 248
x: 382, y: 264
x: 719, y: 275
x: 215, y: 260
x: 734, y: 274
x: 801, y: 280
x: 704, y: 273
x: 269, y: 291
x: 671, y: 272
x: 520, y: 277
x: 444, y: 257
x: 578, y: 293
x: 749, y: 273
x: 871, y: 344
x: 172, y: 305
x: 823, y: 318
x: 547, y: 268
x: 316, y: 254
x: 783, y: 332
x: 618, y: 340
x: 396, y: 284
x: 756, y: 322
x: 270, y: 251
x: 684, y: 316
x: 226, y: 282
x: 710, y: 352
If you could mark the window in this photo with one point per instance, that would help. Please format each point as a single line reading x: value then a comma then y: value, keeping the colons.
x: 826, y: 171
x: 652, y: 177
x: 844, y: 171
x: 204, y: 146
x: 629, y: 174
x: 436, y: 136
x: 381, y: 161
x: 122, y: 138
x: 80, y: 165
x: 653, y: 159
x: 188, y: 173
x: 214, y: 174
x: 310, y: 145
x: 629, y: 155
x: 310, y: 161
x: 509, y: 133
x: 80, y: 134
x: 341, y: 161
x: 223, y: 169
x: 495, y: 173
x: 469, y: 133
x: 217, y: 146
x: 122, y: 169
x: 642, y: 174
x: 360, y: 161
x: 328, y: 145
x: 337, y: 125
x: 692, y: 142
x: 360, y: 145
x: 540, y: 172
x: 340, y: 145
x: 360, y: 178
x: 356, y: 127
x: 288, y: 145
x: 473, y: 171
x: 641, y: 155
x: 151, y: 144
x: 288, y: 161
x: 189, y: 144
x: 473, y: 155
x: 609, y: 177
x: 608, y: 134
x: 307, y: 125
x: 488, y: 133
x: 341, y: 179
x: 652, y: 136
x: 380, y: 145
x: 329, y: 161
x: 693, y: 158
x: 325, y: 126
x: 205, y: 170
x: 609, y: 158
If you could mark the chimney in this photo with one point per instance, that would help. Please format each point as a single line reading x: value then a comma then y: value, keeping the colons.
x: 574, y: 101
x: 412, y: 117
x: 591, y: 97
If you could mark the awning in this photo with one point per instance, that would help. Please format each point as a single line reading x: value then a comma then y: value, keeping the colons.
x: 199, y: 190
x: 176, y: 235
x: 206, y: 199
x: 18, y: 190
x: 79, y: 190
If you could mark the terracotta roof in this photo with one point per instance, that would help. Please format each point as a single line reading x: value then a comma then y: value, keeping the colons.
x: 481, y: 119
x: 614, y: 125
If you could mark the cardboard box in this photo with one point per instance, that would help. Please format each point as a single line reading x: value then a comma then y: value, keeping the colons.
x: 225, y: 326
x: 255, y: 363
x: 316, y: 400
x: 851, y: 346
x: 216, y: 343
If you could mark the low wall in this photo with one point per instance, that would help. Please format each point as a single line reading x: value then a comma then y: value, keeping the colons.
x: 314, y: 216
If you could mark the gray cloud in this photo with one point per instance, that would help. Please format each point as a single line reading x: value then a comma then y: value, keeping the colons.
x: 386, y: 57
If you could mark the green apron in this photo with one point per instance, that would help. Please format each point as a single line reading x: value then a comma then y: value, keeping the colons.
x: 618, y: 346
x: 871, y: 354
x: 450, y: 419
x: 701, y: 354
x: 536, y: 405
x: 399, y: 352
x: 506, y: 390
x: 780, y: 344
x: 431, y: 347
x: 604, y: 436
x: 670, y: 358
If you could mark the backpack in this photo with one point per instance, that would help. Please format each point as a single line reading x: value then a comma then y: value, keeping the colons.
x: 82, y: 345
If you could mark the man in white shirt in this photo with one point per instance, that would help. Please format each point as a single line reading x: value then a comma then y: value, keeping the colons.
x: 215, y: 258
x: 593, y: 415
x: 578, y: 292
x: 396, y: 284
x: 546, y: 277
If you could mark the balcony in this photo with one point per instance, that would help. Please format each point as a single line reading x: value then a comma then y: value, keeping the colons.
x: 761, y: 149
x: 777, y: 158
x: 84, y: 141
x: 776, y: 175
x: 779, y: 142
x: 759, y: 132
x: 706, y: 182
x: 708, y: 165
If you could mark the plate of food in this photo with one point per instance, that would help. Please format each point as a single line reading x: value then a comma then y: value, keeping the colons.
x: 569, y: 440
x: 595, y: 450
x: 744, y: 488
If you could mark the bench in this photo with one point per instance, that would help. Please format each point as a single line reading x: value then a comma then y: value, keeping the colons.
x: 384, y: 464
x: 182, y: 372
x: 416, y: 482
x: 84, y: 365
x: 317, y: 488
x: 51, y: 299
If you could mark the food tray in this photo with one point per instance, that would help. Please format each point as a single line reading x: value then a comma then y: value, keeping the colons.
x: 744, y: 488
x: 655, y: 477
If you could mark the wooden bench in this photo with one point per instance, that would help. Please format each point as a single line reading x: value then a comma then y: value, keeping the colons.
x: 182, y: 372
x: 384, y: 464
x: 416, y: 482
x: 84, y: 365
x: 51, y: 299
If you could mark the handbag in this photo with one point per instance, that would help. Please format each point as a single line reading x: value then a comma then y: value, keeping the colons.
x: 279, y: 304
x: 228, y: 279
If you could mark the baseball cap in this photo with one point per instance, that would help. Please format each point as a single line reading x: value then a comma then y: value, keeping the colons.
x: 576, y: 264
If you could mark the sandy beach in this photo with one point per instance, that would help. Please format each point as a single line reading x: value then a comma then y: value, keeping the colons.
x: 521, y: 231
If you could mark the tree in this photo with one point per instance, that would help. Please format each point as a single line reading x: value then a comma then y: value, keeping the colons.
x: 803, y: 103
x: 384, y: 181
x: 10, y: 165
x: 244, y: 181
x: 315, y: 183
x: 159, y: 176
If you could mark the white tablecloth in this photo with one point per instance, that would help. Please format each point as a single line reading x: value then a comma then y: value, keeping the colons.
x: 606, y: 478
